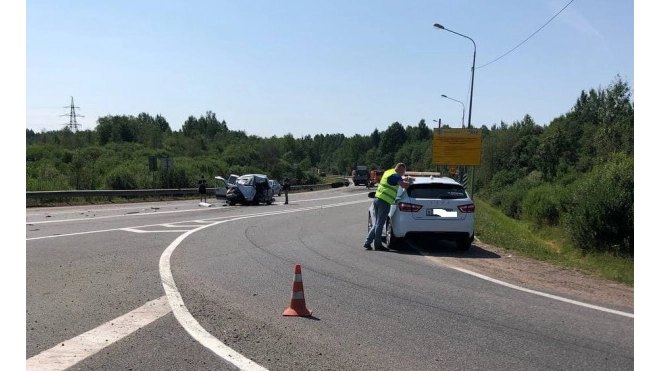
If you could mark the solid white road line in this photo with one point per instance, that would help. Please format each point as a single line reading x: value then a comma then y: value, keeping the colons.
x: 515, y: 287
x: 555, y: 297
x: 186, y: 319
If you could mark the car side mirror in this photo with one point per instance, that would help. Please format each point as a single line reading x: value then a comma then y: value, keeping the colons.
x: 371, y: 194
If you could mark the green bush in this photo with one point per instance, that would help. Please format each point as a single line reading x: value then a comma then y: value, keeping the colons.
x: 510, y: 198
x: 509, y: 201
x: 602, y: 215
x: 543, y: 204
x: 42, y: 152
x: 501, y: 180
x: 46, y: 176
x: 121, y: 178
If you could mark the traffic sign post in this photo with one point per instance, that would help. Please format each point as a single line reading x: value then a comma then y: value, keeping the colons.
x: 454, y: 147
x: 457, y: 147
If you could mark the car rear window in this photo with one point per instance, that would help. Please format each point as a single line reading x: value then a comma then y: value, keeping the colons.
x: 437, y: 191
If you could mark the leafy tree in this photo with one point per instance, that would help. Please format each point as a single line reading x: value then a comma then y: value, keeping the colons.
x: 162, y: 124
x: 392, y: 140
x: 419, y: 133
x: 29, y: 134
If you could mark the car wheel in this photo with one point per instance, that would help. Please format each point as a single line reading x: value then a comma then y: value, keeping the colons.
x: 391, y: 241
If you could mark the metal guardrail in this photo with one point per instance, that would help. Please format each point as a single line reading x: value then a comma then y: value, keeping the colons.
x: 111, y: 193
x: 146, y: 192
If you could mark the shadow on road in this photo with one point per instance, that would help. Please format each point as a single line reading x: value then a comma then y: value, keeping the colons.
x: 434, y: 247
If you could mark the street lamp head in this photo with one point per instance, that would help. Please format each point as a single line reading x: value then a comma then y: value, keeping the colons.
x: 444, y: 96
x: 438, y: 26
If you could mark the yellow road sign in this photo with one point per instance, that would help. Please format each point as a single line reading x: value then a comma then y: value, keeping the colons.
x: 456, y: 146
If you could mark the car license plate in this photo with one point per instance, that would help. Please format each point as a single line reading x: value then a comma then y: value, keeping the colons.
x: 431, y: 212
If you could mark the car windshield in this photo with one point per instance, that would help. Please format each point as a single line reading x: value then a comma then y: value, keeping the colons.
x: 436, y: 191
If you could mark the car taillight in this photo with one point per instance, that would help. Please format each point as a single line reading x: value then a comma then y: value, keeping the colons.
x: 469, y: 208
x: 408, y: 207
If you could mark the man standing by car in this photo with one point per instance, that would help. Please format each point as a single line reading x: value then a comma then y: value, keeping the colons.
x: 286, y: 185
x: 385, y: 195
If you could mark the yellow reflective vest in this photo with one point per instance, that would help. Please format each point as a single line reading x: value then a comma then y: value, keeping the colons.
x: 385, y: 191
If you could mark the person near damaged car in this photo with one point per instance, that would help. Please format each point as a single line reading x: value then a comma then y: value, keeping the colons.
x: 201, y: 187
x: 286, y: 185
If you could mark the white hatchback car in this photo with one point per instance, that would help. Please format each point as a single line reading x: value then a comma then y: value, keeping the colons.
x: 433, y: 205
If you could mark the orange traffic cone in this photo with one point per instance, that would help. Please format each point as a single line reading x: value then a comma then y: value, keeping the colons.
x: 297, y: 306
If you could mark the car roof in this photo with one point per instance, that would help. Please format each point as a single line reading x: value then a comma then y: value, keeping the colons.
x: 251, y: 175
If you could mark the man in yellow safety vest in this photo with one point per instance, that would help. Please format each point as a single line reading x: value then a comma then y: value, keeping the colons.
x: 385, y: 195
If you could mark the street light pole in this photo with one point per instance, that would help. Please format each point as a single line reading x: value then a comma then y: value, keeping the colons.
x: 474, y: 59
x: 463, y: 117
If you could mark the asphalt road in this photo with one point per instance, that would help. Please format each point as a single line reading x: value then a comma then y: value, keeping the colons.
x: 179, y: 286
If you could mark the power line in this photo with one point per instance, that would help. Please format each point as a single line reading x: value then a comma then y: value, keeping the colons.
x: 530, y: 36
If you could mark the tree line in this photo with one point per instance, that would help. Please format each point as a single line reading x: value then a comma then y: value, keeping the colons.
x: 576, y: 172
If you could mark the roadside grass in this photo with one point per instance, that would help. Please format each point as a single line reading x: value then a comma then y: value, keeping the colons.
x: 547, y: 244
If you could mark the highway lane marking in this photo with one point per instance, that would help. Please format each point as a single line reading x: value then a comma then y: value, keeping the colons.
x: 74, y: 234
x: 72, y: 351
x: 186, y: 319
x: 555, y: 297
x: 519, y: 288
x: 158, y: 231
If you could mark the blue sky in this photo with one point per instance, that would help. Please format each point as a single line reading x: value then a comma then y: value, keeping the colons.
x: 310, y: 67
